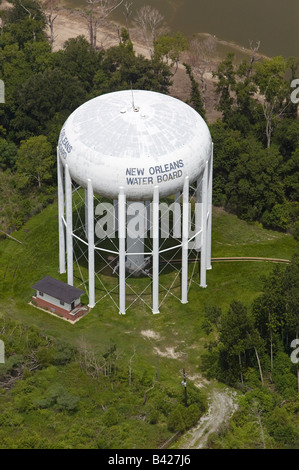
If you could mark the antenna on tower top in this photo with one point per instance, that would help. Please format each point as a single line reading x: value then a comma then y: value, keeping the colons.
x: 132, y: 96
x: 135, y: 108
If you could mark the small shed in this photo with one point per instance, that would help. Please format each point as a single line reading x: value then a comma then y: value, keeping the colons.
x: 58, y: 297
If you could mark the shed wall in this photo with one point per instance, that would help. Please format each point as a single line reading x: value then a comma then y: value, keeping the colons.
x: 53, y: 301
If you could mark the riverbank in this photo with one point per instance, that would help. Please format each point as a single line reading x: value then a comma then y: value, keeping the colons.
x: 70, y: 23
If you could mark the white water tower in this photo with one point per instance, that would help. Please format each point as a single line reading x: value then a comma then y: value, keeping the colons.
x: 130, y: 146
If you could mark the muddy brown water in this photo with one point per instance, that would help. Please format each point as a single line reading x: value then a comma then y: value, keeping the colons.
x: 273, y: 22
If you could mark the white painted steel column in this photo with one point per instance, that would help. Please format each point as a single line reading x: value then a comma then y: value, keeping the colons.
x: 115, y: 206
x: 61, y: 230
x: 210, y: 192
x: 90, y: 236
x: 184, y: 281
x: 177, y: 232
x: 198, y: 214
x: 86, y: 213
x: 203, y: 257
x: 122, y: 250
x: 69, y: 226
x: 156, y: 250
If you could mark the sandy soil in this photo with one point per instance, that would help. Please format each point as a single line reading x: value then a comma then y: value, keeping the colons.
x: 70, y: 24
x: 169, y: 352
x: 151, y: 334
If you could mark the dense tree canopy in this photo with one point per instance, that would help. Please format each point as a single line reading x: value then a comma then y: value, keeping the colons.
x: 256, y: 170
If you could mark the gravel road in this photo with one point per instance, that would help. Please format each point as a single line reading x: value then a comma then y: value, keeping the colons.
x: 222, y: 405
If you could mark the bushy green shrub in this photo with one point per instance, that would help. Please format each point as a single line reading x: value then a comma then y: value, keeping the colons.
x: 111, y: 417
x: 175, y: 420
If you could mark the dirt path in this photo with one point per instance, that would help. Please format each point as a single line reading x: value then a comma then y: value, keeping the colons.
x: 222, y: 405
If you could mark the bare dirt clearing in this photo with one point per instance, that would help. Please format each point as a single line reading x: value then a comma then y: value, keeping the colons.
x: 222, y: 405
x: 150, y: 334
x: 169, y: 352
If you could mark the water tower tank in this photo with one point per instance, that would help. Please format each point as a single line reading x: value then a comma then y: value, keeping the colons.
x: 135, y: 146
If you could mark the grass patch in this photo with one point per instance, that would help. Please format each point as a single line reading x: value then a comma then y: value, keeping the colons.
x: 176, y: 334
x: 179, y: 326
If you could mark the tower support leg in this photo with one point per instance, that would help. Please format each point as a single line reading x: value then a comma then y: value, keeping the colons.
x: 185, y: 235
x: 156, y: 250
x: 122, y: 250
x: 198, y: 215
x: 90, y: 226
x: 86, y: 213
x: 69, y: 226
x: 209, y: 232
x: 61, y: 229
x: 203, y: 256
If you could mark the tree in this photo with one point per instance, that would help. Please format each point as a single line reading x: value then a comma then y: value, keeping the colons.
x: 228, y: 145
x: 42, y: 97
x: 268, y: 310
x: 127, y: 13
x: 51, y: 5
x: 81, y: 60
x: 255, y: 185
x: 200, y: 58
x: 98, y: 11
x: 274, y: 90
x: 151, y: 24
x: 290, y: 288
x: 8, y: 154
x: 26, y: 30
x: 169, y: 47
x: 38, y: 55
x: 195, y: 95
x: 22, y: 9
x: 35, y: 160
x: 283, y: 378
x: 290, y: 171
x: 26, y: 21
x: 279, y: 424
x: 244, y: 116
x: 3, y: 18
x: 233, y: 336
x: 236, y: 88
x: 121, y: 69
x: 286, y: 136
x: 14, y: 70
x: 226, y: 76
x: 175, y: 421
